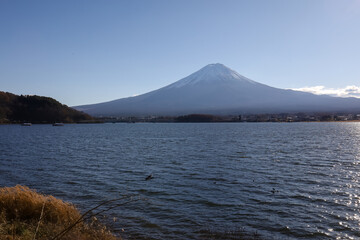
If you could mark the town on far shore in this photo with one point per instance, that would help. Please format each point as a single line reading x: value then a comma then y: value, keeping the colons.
x: 279, y: 117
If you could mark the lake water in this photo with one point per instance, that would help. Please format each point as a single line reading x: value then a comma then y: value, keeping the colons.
x: 218, y: 176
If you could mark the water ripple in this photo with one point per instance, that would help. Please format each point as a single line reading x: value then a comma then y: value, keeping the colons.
x: 283, y: 181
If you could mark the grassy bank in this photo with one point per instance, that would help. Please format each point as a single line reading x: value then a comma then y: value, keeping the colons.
x: 27, y: 215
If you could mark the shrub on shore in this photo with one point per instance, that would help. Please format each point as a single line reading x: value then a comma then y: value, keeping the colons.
x: 26, y: 214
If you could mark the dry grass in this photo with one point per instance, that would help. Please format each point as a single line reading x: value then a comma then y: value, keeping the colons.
x: 28, y: 215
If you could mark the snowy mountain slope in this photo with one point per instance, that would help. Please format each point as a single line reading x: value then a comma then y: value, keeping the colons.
x: 216, y: 89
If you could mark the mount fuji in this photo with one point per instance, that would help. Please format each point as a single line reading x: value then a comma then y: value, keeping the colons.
x: 217, y: 89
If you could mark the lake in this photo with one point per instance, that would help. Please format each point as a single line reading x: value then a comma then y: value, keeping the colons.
x: 280, y: 180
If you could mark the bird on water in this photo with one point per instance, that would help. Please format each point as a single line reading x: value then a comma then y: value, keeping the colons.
x: 149, y: 177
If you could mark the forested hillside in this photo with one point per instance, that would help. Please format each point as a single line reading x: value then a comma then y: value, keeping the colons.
x: 36, y: 109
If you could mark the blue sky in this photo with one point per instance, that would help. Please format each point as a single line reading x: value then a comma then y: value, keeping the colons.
x: 82, y: 52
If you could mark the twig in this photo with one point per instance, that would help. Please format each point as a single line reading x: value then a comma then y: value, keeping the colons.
x: 13, y: 231
x: 41, y: 216
x: 109, y: 208
x: 82, y: 217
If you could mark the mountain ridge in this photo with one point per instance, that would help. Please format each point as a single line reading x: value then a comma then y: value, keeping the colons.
x: 217, y: 89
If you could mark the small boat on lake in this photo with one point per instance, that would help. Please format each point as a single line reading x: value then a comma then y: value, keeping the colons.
x: 26, y: 124
x: 58, y: 124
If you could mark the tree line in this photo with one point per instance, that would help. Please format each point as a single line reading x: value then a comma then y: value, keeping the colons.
x: 37, y: 109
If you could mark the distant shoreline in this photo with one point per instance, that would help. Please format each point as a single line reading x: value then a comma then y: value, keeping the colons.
x: 17, y: 123
x: 276, y: 118
x: 102, y: 122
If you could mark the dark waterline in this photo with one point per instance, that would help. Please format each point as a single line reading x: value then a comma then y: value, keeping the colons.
x: 298, y: 180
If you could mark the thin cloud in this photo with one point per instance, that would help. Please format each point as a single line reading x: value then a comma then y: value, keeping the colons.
x: 348, y: 91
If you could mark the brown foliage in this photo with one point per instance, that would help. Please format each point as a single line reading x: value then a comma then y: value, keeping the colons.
x: 26, y: 214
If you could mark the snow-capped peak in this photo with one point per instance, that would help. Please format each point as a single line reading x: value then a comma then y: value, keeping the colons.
x: 211, y: 73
